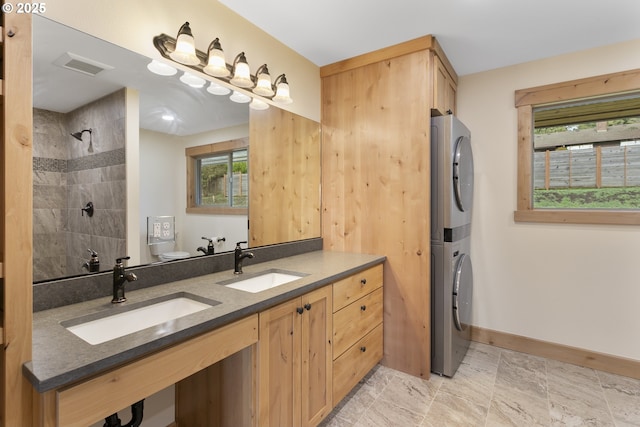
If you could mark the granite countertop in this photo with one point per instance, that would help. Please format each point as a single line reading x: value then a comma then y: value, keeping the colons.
x: 60, y: 358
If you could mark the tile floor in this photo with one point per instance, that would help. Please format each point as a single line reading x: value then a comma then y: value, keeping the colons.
x: 493, y: 387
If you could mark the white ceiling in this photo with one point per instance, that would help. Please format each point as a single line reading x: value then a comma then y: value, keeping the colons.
x: 477, y: 35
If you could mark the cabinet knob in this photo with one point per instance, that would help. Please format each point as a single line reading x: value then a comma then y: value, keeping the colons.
x: 363, y: 282
x: 307, y: 306
x: 363, y: 307
x: 363, y: 349
x: 300, y: 310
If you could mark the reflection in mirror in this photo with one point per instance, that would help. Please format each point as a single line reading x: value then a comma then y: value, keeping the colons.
x: 83, y: 83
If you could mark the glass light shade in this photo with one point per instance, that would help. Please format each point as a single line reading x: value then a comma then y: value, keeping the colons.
x: 217, y: 89
x: 192, y: 80
x: 185, y: 51
x: 241, y: 72
x: 216, y: 64
x: 263, y: 86
x: 282, y: 91
x: 239, y: 97
x: 257, y: 104
x: 161, y: 68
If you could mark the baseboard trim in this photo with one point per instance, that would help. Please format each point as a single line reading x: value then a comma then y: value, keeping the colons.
x: 576, y: 356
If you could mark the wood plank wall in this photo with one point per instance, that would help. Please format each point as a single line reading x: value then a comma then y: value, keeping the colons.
x: 16, y: 218
x: 284, y: 158
x: 376, y: 185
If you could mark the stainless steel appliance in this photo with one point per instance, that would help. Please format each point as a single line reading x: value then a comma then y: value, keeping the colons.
x: 451, y: 268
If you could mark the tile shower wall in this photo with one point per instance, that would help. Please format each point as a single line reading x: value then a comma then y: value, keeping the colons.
x: 67, y: 175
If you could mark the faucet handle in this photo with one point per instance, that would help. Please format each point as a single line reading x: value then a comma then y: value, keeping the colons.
x: 240, y: 243
x: 119, y: 260
x: 206, y: 238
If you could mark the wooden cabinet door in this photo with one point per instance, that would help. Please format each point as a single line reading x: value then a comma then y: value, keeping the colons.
x: 279, y: 367
x: 444, y: 88
x: 316, y: 356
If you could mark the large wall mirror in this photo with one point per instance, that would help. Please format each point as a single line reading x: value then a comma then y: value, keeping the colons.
x: 88, y: 94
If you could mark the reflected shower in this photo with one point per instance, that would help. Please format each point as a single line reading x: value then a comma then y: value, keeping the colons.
x: 78, y: 136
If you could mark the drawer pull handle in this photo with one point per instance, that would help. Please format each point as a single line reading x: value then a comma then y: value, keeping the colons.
x: 363, y: 349
x: 300, y: 310
x: 363, y: 282
x: 363, y: 307
x: 307, y: 306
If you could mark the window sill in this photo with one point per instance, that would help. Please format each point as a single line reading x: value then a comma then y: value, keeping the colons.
x: 217, y: 211
x: 559, y: 216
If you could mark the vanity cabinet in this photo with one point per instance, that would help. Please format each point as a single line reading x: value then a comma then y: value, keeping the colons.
x: 294, y: 361
x: 357, y: 329
x: 88, y: 401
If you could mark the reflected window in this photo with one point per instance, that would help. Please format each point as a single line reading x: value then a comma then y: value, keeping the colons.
x: 218, y: 178
x: 223, y: 179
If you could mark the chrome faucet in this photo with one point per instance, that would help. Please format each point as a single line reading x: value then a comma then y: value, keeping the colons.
x: 119, y: 279
x: 238, y: 256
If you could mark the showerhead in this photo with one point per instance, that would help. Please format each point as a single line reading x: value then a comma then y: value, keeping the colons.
x: 78, y: 135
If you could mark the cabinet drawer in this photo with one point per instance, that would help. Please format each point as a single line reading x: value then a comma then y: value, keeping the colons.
x: 354, y: 364
x: 354, y: 287
x: 356, y: 320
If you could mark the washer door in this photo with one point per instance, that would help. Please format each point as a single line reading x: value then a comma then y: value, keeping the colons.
x: 463, y: 174
x: 462, y: 292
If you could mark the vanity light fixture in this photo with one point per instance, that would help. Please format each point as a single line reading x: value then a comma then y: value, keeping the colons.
x: 282, y: 90
x: 216, y: 64
x: 239, y: 97
x: 212, y: 63
x: 241, y: 72
x: 216, y: 89
x: 161, y: 68
x: 192, y: 80
x: 263, y: 85
x: 257, y: 104
x: 185, y: 51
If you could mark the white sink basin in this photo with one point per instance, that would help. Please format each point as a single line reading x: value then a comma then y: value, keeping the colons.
x: 262, y: 281
x: 108, y: 325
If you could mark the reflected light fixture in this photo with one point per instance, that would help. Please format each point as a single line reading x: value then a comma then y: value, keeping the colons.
x: 239, y: 97
x: 257, y: 104
x: 192, y: 80
x: 185, y: 51
x: 161, y: 68
x: 282, y: 90
x: 216, y: 89
x: 216, y: 64
x: 241, y: 72
x: 263, y: 85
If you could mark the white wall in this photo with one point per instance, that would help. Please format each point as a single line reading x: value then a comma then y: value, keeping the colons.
x: 575, y: 285
x: 163, y: 187
x: 133, y: 24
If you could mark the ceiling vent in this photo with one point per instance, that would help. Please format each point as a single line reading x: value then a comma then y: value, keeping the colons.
x: 80, y: 64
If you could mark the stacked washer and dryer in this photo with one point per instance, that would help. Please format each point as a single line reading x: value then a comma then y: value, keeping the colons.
x: 451, y: 270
